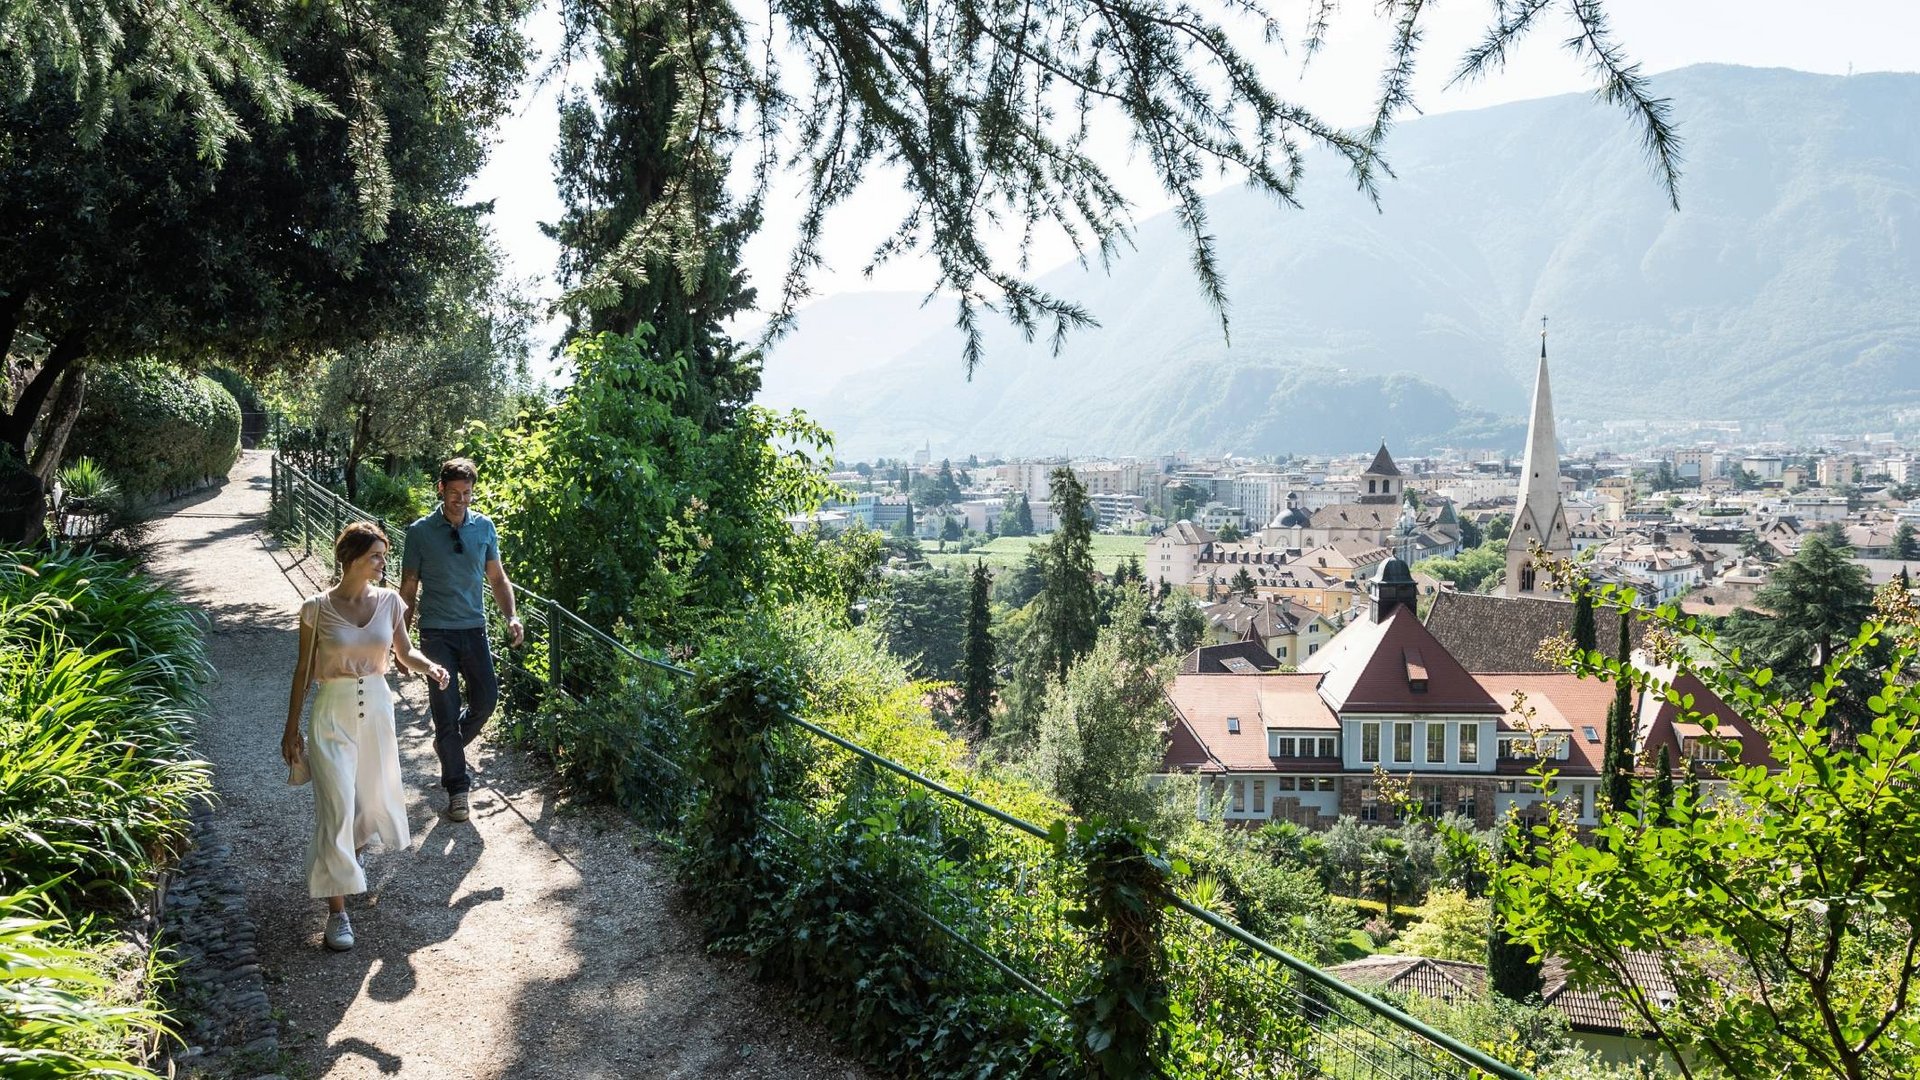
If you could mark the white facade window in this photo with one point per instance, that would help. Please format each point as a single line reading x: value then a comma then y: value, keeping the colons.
x: 1436, y: 743
x: 1259, y: 796
x: 1369, y: 742
x: 1327, y: 748
x: 1239, y: 797
x: 1469, y: 743
x: 1282, y: 746
x: 1403, y: 743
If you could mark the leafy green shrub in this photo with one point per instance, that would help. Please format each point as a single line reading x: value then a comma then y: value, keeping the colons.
x: 85, y: 484
x: 103, y: 605
x: 397, y: 500
x: 57, y: 1018
x: 96, y: 768
x: 157, y: 429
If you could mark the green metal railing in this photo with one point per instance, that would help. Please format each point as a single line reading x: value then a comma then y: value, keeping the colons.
x: 987, y: 882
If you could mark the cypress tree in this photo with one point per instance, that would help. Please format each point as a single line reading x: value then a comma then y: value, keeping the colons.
x: 1585, y: 637
x: 1617, y: 755
x: 1512, y: 970
x: 1663, y: 789
x: 977, y: 704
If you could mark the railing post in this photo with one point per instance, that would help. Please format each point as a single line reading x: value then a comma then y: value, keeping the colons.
x: 303, y: 521
x: 556, y: 652
x: 1121, y: 1020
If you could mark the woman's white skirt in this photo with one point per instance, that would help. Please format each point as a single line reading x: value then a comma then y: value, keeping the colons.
x: 357, y: 796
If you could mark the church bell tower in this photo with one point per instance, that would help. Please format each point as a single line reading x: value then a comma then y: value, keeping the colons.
x: 1539, y: 517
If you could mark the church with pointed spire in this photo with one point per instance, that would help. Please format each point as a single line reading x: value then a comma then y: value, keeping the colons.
x: 1539, y: 517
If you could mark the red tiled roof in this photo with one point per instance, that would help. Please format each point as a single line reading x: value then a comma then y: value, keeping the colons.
x: 1366, y: 670
x: 1203, y: 703
x: 1669, y: 723
x: 1560, y: 704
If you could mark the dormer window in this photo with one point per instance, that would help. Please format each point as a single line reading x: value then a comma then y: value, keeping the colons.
x: 1416, y: 671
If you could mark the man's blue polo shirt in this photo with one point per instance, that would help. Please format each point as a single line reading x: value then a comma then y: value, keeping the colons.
x: 453, y: 591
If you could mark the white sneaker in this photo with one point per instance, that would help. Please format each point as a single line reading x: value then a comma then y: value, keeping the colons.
x: 457, y: 806
x: 339, y: 932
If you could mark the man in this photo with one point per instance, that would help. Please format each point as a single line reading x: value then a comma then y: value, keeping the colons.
x: 449, y: 554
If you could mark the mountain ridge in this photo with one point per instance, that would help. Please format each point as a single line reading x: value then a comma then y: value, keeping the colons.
x: 1789, y: 267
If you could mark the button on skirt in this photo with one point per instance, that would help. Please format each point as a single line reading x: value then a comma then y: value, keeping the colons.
x: 357, y: 798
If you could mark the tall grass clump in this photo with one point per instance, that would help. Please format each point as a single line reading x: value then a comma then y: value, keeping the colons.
x: 58, y: 1014
x: 99, y: 669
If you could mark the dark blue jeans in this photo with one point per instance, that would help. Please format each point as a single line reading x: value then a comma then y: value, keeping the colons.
x: 469, y: 664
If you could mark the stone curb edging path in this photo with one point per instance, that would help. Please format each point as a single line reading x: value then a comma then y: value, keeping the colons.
x: 219, y: 997
x: 542, y: 938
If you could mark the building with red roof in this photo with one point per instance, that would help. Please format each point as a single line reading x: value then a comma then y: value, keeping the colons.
x: 1386, y: 694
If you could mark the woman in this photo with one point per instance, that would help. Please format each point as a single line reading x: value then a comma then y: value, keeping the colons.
x: 346, y: 634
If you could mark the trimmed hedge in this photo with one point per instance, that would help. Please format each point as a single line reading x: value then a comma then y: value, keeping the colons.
x: 156, y: 430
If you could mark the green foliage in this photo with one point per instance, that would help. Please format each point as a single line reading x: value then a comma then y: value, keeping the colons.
x: 1068, y: 618
x: 98, y: 667
x: 1186, y: 624
x: 96, y: 763
x: 398, y: 499
x: 153, y: 208
x: 1451, y: 927
x: 1906, y: 542
x: 1017, y: 520
x: 1585, y: 635
x: 620, y: 508
x: 846, y: 104
x: 1100, y: 734
x: 977, y: 663
x: 409, y: 397
x: 1783, y: 911
x: 58, y: 1016
x: 85, y: 483
x: 737, y: 704
x: 157, y: 430
x: 1474, y: 569
x: 1817, y: 600
x: 1616, y: 751
x: 618, y: 173
x: 923, y: 616
x: 1123, y: 903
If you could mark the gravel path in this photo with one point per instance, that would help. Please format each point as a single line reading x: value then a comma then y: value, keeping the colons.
x: 539, y: 939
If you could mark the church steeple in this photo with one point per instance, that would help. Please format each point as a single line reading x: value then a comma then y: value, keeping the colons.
x: 1539, y: 516
x: 1382, y: 482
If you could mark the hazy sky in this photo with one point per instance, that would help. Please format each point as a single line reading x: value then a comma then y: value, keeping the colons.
x: 1832, y: 36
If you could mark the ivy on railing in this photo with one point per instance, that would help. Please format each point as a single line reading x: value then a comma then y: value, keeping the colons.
x: 1122, y: 1018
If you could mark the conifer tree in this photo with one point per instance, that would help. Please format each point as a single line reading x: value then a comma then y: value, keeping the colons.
x: 1617, y: 755
x: 1585, y: 636
x: 617, y: 167
x: 1069, y: 606
x: 1512, y: 970
x: 1663, y: 789
x: 977, y: 703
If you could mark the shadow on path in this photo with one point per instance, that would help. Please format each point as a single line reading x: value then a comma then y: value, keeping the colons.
x: 536, y: 939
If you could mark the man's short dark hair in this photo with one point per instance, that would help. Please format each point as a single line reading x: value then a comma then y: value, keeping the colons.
x: 457, y: 469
